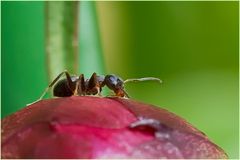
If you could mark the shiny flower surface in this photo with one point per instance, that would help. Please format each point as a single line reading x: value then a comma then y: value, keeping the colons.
x: 95, y: 127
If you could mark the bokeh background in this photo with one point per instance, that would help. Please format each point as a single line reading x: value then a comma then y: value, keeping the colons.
x: 191, y: 46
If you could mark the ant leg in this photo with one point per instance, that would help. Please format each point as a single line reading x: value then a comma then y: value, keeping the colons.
x: 80, y: 86
x: 93, y: 86
x: 69, y: 80
x: 143, y: 79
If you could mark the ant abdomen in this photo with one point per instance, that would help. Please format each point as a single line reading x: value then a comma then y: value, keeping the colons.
x: 62, y: 88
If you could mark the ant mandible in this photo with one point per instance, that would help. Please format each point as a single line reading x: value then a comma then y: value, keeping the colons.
x: 78, y: 86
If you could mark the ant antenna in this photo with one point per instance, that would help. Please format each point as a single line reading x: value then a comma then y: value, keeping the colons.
x: 143, y: 79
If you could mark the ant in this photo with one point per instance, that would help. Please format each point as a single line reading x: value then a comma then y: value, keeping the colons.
x: 78, y: 86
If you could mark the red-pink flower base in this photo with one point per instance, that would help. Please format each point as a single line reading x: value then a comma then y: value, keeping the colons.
x: 95, y: 127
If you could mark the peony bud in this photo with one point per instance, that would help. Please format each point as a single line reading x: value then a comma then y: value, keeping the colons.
x: 95, y: 127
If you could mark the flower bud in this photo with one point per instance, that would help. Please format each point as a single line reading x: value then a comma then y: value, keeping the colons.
x: 95, y: 127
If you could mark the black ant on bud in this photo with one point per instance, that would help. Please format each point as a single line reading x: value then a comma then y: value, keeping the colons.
x: 78, y: 86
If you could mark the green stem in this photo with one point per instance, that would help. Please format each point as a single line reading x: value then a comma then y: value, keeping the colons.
x: 91, y: 56
x: 61, y: 37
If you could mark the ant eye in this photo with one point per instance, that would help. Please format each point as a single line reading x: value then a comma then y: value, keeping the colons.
x: 113, y: 80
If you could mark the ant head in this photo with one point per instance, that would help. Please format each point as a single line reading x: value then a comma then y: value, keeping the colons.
x: 114, y: 82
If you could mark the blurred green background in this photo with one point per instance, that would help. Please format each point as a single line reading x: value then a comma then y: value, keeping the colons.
x: 191, y: 46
